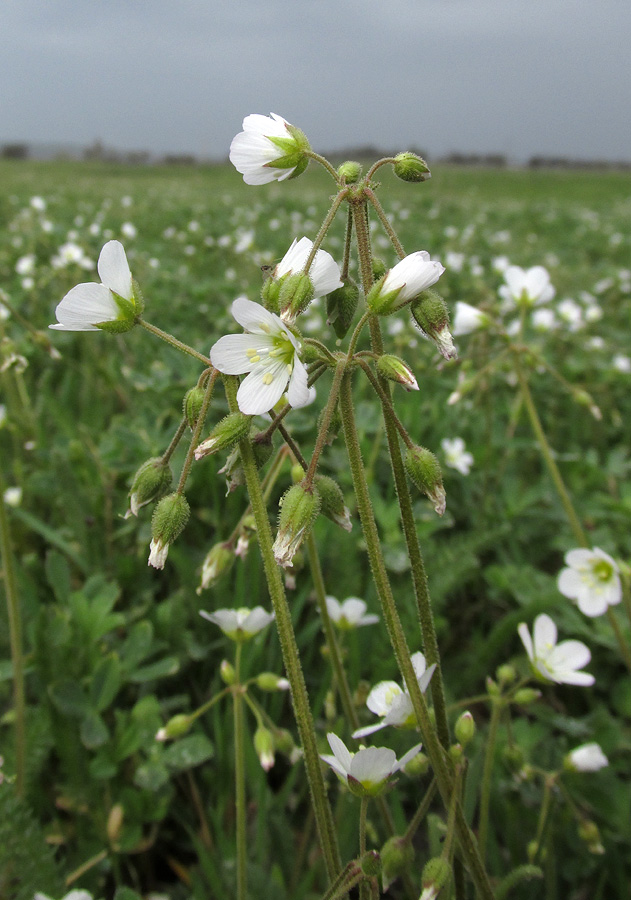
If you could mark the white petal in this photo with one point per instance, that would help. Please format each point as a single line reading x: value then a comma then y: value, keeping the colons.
x: 335, y: 764
x: 333, y: 608
x: 381, y: 697
x: 544, y: 633
x: 418, y: 663
x: 229, y: 354
x: 255, y: 397
x: 374, y: 764
x: 113, y: 269
x: 568, y: 656
x: 226, y: 619
x: 258, y: 619
x: 402, y: 763
x: 369, y: 729
x: 425, y: 679
x: 272, y: 125
x: 340, y: 750
x: 255, y: 318
x: 569, y: 583
x: 298, y: 393
x: 591, y: 605
x: 353, y: 609
x: 579, y: 559
x: 524, y: 634
x: 84, y: 306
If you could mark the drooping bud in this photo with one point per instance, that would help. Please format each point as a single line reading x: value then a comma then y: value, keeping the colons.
x: 296, y: 293
x: 417, y: 766
x: 175, y: 727
x: 394, y: 369
x: 514, y: 757
x: 192, y: 405
x: 115, y: 822
x: 299, y: 509
x: 341, y: 306
x: 333, y: 505
x: 264, y: 746
x: 411, y: 168
x: 151, y: 482
x: 217, y: 562
x: 169, y: 519
x: 284, y: 741
x: 349, y: 171
x: 526, y: 696
x: 226, y: 433
x: 424, y: 470
x: 397, y: 855
x: 588, y: 832
x: 270, y: 681
x: 505, y: 674
x: 227, y: 672
x: 297, y: 473
x: 431, y: 315
x: 465, y: 728
x: 370, y: 863
x: 435, y: 876
x: 270, y: 293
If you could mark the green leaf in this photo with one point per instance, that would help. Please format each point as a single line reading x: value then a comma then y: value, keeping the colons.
x: 151, y: 776
x: 137, y: 644
x: 58, y: 575
x: 69, y: 698
x: 106, y: 682
x: 188, y: 752
x: 170, y: 665
x: 50, y: 535
x: 125, y: 893
x: 94, y: 732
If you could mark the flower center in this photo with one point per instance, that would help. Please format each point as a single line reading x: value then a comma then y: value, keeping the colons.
x: 602, y: 570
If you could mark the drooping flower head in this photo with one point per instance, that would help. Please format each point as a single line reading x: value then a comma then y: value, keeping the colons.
x: 367, y: 771
x: 551, y: 661
x: 268, y: 352
x: 349, y: 614
x: 239, y: 624
x: 109, y: 306
x: 269, y: 149
x: 592, y: 579
x: 390, y: 701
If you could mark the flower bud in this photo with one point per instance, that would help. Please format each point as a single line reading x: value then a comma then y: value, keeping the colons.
x: 411, y: 168
x: 526, y: 696
x: 115, y: 822
x: 370, y: 863
x: 456, y: 752
x: 492, y: 687
x: 175, y: 727
x: 379, y: 268
x: 349, y: 171
x: 417, y: 766
x: 431, y: 315
x: 341, y: 305
x: 424, y: 470
x: 264, y: 746
x: 296, y: 293
x: 217, y: 562
x: 397, y: 855
x: 588, y: 832
x: 151, y: 482
x: 262, y: 448
x: 226, y: 433
x: 465, y: 728
x: 514, y: 757
x: 284, y: 741
x: 227, y: 672
x: 394, y: 369
x: 270, y: 294
x: 333, y: 505
x: 297, y: 473
x: 505, y: 674
x: 192, y: 405
x: 299, y: 510
x: 270, y: 681
x: 169, y: 519
x: 435, y: 876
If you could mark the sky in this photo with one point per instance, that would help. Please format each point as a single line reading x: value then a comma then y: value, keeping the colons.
x: 517, y: 77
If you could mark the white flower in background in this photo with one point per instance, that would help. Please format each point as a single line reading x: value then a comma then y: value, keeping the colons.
x: 467, y: 319
x: 454, y: 261
x: 268, y: 149
x: 586, y: 758
x: 12, y: 496
x: 240, y: 624
x: 390, y: 701
x: 38, y: 203
x: 456, y: 457
x: 324, y: 272
x: 268, y: 351
x: 543, y: 319
x: 88, y: 306
x: 349, y: 614
x: 25, y: 264
x: 367, y: 771
x: 129, y: 230
x: 555, y: 662
x: 3, y: 414
x: 622, y: 363
x: 75, y: 894
x: 404, y: 282
x: 592, y: 579
x: 500, y: 263
x: 528, y: 286
x: 68, y: 254
x: 571, y: 313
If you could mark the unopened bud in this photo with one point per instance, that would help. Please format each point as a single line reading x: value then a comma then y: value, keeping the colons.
x: 226, y: 433
x: 264, y: 746
x: 435, y: 876
x: 379, y: 268
x: 270, y: 681
x: 588, y: 832
x: 349, y: 171
x: 424, y: 470
x: 505, y: 674
x: 169, y: 519
x: 115, y: 822
x: 270, y: 294
x: 370, y: 863
x: 417, y: 766
x: 492, y: 687
x: 526, y: 696
x: 217, y: 562
x: 397, y: 855
x: 341, y: 305
x: 465, y: 728
x: 227, y: 672
x: 284, y: 741
x: 394, y: 369
x: 514, y: 757
x: 430, y: 313
x: 192, y: 405
x: 175, y: 727
x: 297, y: 473
x: 151, y: 482
x: 299, y: 509
x: 411, y: 168
x: 333, y: 505
x: 296, y: 293
x: 456, y: 752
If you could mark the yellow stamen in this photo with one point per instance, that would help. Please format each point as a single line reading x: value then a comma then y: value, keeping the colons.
x: 268, y: 378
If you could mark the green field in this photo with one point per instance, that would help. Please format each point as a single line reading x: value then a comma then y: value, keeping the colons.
x: 113, y: 648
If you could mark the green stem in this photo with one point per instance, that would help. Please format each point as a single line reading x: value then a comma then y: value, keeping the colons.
x: 186, y: 468
x: 15, y: 637
x: 326, y: 224
x: 289, y: 648
x: 624, y: 647
x: 165, y: 336
x: 239, y: 778
x: 348, y: 237
x: 175, y: 440
x: 323, y: 162
x: 421, y: 812
x: 485, y: 790
x: 363, y: 810
x: 386, y: 402
x: 324, y: 424
x: 396, y: 243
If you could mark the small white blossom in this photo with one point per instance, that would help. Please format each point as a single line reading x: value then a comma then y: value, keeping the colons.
x: 264, y: 141
x: 367, y: 771
x: 25, y: 264
x: 38, y: 203
x: 240, y: 624
x: 467, y: 319
x: 622, y: 363
x: 350, y: 614
x: 592, y: 579
x: 409, y: 278
x: 586, y: 758
x: 268, y: 351
x: 324, y: 272
x: 555, y: 662
x: 390, y: 701
x: 456, y: 456
x: 528, y: 286
x: 129, y: 230
x: 12, y: 496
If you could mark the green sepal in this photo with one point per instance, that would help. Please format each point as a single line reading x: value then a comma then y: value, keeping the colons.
x: 341, y: 305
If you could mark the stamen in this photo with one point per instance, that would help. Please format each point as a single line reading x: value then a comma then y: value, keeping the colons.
x: 268, y: 378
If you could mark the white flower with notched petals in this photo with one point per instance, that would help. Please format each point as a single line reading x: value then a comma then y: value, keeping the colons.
x: 404, y: 282
x: 324, y: 272
x: 390, y: 701
x: 586, y: 758
x: 592, y: 579
x: 87, y: 306
x: 456, y: 456
x: 240, y: 624
x: 467, y: 319
x: 268, y: 351
x: 350, y: 614
x: 530, y: 287
x: 268, y: 149
x: 367, y: 771
x: 555, y: 662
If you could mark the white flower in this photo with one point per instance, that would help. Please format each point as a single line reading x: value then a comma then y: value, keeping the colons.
x: 38, y: 203
x: 543, y: 319
x: 591, y: 578
x: 528, y: 286
x: 389, y: 700
x: 467, y: 319
x: 87, y: 306
x: 240, y: 624
x: 350, y: 614
x: 571, y: 313
x: 367, y: 771
x: 25, y: 264
x: 129, y: 230
x: 268, y: 351
x: 622, y: 363
x: 264, y: 141
x: 324, y: 272
x: 555, y: 662
x: 405, y: 281
x: 68, y: 253
x: 12, y: 496
x: 456, y: 456
x: 586, y: 758
x: 455, y: 261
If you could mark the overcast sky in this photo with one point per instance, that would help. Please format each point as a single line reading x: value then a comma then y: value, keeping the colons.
x: 519, y: 77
